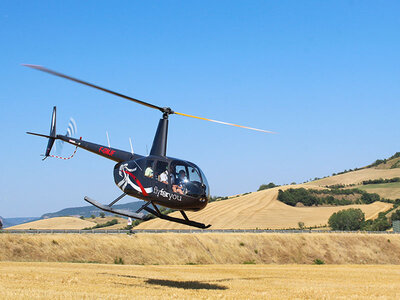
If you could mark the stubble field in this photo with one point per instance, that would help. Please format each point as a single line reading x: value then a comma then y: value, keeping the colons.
x: 97, y: 281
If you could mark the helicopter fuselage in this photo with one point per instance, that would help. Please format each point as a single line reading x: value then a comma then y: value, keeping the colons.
x: 169, y: 182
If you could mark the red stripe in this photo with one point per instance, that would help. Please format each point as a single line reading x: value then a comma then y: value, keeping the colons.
x: 138, y: 182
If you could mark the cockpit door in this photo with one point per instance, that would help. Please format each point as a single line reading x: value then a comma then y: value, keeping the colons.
x: 162, y: 173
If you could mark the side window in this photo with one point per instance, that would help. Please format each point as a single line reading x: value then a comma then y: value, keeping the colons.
x: 194, y: 175
x: 148, y: 171
x: 178, y: 178
x: 161, y: 172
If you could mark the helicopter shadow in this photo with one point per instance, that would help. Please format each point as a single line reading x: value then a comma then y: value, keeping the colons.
x: 186, y: 285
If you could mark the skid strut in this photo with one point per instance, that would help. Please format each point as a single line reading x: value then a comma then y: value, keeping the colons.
x: 138, y: 215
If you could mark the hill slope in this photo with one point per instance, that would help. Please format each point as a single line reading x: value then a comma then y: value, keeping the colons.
x: 56, y: 223
x: 261, y: 210
x: 356, y: 177
x: 89, y: 210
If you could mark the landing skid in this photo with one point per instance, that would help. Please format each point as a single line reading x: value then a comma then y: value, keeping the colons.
x: 122, y: 212
x: 156, y: 212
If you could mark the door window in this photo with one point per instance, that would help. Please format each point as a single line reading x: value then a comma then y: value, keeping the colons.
x: 148, y: 171
x: 161, y: 172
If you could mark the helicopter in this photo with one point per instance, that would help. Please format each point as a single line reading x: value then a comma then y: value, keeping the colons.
x: 156, y: 178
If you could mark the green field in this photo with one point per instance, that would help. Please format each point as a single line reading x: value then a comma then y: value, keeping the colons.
x: 392, y: 185
x: 385, y: 190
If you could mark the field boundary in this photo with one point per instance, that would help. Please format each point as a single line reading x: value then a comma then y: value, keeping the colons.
x: 117, y: 231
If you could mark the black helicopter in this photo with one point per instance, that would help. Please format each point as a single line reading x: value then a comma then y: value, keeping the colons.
x: 157, y: 179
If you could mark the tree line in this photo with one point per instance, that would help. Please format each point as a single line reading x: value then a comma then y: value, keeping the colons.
x: 381, y: 180
x: 311, y: 197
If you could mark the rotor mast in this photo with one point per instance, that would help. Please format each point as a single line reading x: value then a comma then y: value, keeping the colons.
x: 159, y: 147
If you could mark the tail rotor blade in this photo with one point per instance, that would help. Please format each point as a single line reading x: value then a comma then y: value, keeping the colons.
x: 225, y: 123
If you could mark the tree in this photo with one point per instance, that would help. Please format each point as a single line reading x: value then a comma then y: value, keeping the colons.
x: 347, y: 219
x: 93, y: 216
x: 301, y: 225
x: 267, y: 186
x: 396, y: 215
x: 102, y: 215
x: 82, y: 217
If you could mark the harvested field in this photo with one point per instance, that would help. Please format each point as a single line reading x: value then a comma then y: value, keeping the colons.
x: 56, y: 223
x: 262, y: 210
x: 356, y: 177
x: 91, y: 281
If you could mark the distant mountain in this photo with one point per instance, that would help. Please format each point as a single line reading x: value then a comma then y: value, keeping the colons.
x: 87, y: 211
x: 8, y: 222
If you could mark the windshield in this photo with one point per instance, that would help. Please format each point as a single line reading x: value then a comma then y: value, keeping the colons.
x: 186, y: 179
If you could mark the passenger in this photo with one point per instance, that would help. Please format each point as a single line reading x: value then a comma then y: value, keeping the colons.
x: 164, y: 176
x: 148, y: 172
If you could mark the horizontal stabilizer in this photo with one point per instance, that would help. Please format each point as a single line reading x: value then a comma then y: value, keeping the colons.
x: 38, y: 134
x: 122, y: 212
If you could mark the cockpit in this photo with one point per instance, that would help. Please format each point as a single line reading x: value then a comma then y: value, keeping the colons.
x: 179, y: 176
x: 186, y: 179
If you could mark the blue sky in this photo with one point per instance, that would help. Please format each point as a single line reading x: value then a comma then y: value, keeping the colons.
x: 323, y: 74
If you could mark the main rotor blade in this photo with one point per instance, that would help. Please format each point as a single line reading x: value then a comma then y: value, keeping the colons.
x: 41, y: 68
x: 225, y: 123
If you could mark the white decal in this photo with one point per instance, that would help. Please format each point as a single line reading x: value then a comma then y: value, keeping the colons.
x: 126, y: 179
x: 165, y: 194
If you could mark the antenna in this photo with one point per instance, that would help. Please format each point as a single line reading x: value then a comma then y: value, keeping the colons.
x: 108, y: 140
x: 130, y: 142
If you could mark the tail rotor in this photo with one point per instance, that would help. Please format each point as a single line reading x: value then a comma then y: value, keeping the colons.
x: 72, y: 129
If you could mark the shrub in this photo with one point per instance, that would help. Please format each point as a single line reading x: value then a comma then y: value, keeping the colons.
x: 102, y: 215
x: 93, y: 216
x: 267, y: 186
x: 109, y: 223
x: 301, y: 225
x: 119, y: 261
x: 347, y: 219
x: 318, y: 261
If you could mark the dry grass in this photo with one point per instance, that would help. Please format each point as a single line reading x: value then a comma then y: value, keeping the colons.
x: 262, y: 210
x: 84, y: 281
x: 56, y: 223
x: 122, y: 223
x: 205, y: 248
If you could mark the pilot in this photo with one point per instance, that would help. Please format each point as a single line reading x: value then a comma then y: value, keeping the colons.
x: 182, y: 179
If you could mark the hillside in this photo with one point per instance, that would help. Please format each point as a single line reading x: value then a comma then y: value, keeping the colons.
x: 261, y: 210
x: 8, y: 222
x: 356, y: 177
x: 89, y: 210
x: 56, y: 223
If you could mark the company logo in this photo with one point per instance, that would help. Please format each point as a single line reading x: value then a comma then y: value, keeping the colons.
x: 106, y: 151
x: 163, y: 193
